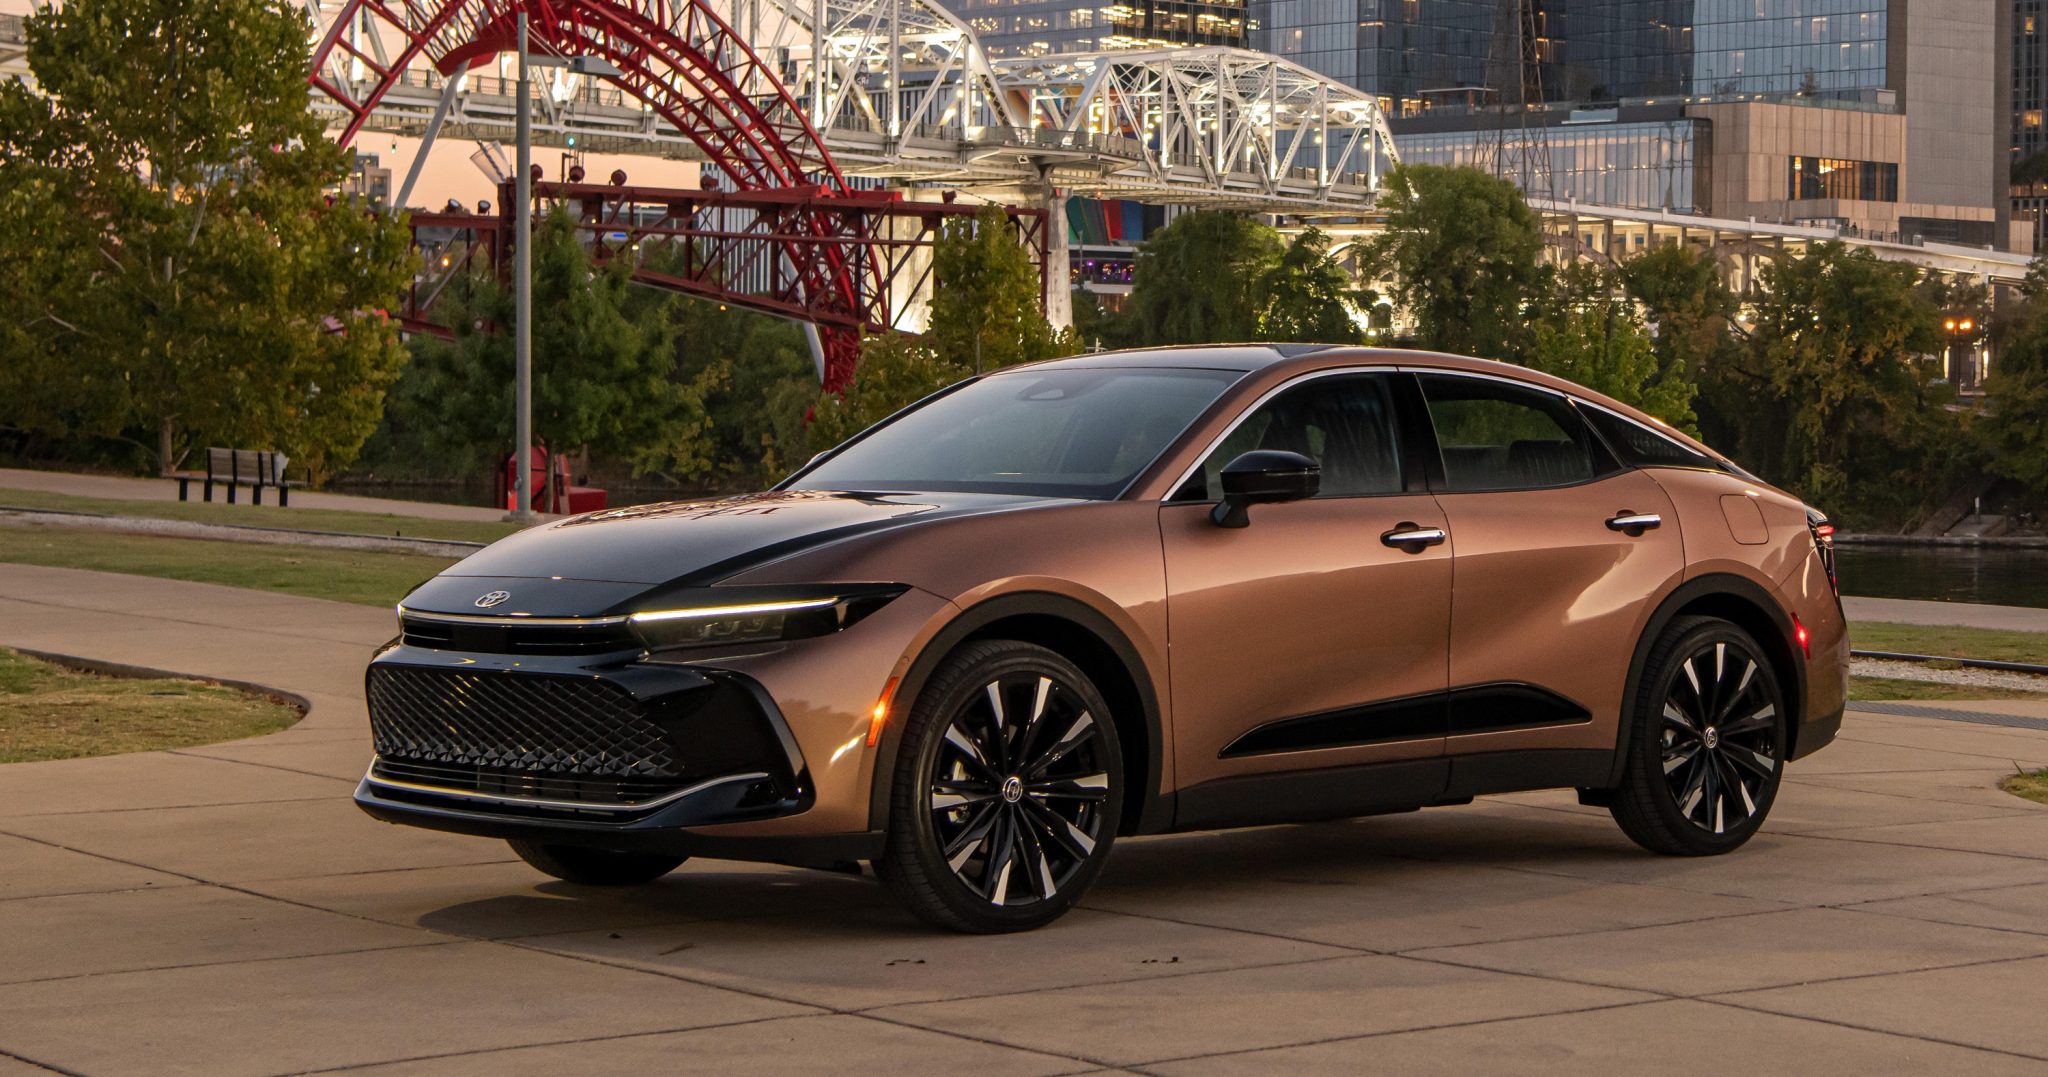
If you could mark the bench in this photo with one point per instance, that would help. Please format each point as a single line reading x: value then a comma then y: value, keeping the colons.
x: 256, y: 468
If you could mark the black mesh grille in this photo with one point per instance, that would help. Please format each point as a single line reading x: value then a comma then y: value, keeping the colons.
x: 523, y: 725
x: 510, y: 783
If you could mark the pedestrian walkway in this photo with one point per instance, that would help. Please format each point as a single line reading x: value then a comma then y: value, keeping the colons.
x: 225, y: 910
x: 132, y: 489
x: 1960, y: 614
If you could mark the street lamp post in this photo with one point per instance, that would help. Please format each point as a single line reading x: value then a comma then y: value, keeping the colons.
x: 522, y: 268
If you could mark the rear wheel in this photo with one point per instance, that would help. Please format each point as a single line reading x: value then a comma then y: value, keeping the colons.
x: 1007, y: 791
x: 595, y: 867
x: 1708, y: 744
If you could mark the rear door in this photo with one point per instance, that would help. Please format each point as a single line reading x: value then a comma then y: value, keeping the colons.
x: 1550, y: 590
x: 1304, y: 640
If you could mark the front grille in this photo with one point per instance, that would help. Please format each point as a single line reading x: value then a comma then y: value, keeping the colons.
x: 507, y: 783
x: 512, y: 637
x: 517, y: 726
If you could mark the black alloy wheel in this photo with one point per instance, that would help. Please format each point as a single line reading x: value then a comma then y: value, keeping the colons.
x: 1007, y: 791
x: 1708, y: 748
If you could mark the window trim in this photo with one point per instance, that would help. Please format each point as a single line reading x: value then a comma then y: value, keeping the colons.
x: 1714, y: 465
x: 1396, y: 413
x: 1440, y: 483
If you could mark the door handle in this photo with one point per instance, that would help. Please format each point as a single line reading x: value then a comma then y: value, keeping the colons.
x: 1634, y: 523
x: 1413, y: 537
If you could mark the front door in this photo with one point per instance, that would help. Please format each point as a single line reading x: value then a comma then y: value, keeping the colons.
x: 1306, y: 640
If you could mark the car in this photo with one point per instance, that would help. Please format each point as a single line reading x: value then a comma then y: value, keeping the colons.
x: 1120, y: 594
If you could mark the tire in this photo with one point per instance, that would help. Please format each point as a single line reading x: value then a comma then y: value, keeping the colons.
x: 1007, y: 790
x: 595, y: 867
x: 1707, y: 746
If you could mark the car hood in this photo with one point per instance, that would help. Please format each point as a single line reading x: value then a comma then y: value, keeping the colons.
x: 590, y: 564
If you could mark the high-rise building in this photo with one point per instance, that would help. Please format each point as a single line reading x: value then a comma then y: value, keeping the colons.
x: 2027, y: 157
x: 1855, y: 113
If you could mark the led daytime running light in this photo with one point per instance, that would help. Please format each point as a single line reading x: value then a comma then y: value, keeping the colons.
x: 752, y: 610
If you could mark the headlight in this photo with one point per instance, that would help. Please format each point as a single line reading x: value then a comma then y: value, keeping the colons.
x: 754, y: 618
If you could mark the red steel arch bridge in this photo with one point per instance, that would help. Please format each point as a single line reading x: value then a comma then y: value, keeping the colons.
x: 810, y: 109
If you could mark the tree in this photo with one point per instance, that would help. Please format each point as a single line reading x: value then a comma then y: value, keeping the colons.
x: 185, y: 275
x: 1462, y: 247
x: 984, y: 315
x: 986, y: 310
x: 895, y: 371
x: 1306, y: 295
x: 605, y: 375
x: 1198, y: 279
x: 1592, y: 335
x: 763, y: 384
x: 2014, y: 429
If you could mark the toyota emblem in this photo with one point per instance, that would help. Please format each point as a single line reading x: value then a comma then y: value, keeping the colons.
x: 492, y: 599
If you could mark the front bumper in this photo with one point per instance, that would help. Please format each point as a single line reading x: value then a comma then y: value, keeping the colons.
x: 601, y: 750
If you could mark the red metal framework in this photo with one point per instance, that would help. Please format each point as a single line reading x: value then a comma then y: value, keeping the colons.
x: 751, y: 249
x: 687, y: 64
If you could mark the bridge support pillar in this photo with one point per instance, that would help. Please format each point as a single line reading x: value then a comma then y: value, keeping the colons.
x: 1059, y: 293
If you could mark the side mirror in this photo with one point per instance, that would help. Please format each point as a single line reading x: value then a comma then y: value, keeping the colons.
x: 1264, y: 477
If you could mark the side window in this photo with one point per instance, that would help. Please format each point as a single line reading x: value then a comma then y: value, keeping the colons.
x: 1345, y: 423
x: 1495, y: 435
x: 1640, y: 446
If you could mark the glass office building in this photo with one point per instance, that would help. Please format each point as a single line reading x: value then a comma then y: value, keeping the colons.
x: 1828, y: 48
x: 1641, y: 165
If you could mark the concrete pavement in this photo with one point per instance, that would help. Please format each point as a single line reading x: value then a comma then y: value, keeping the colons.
x: 1911, y: 611
x: 226, y: 910
x: 133, y: 489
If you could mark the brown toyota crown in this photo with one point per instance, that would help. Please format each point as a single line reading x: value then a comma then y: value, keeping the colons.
x: 1121, y: 594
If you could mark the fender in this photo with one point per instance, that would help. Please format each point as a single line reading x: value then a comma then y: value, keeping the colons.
x: 1692, y: 590
x: 1156, y: 807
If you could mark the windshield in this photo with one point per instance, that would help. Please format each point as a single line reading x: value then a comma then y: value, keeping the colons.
x: 1056, y: 433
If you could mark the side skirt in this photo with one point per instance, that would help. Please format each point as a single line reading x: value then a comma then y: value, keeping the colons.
x: 1378, y: 788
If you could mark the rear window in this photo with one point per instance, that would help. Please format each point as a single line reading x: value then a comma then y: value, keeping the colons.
x: 1640, y: 446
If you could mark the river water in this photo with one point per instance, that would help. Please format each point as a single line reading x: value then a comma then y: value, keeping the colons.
x: 2001, y: 576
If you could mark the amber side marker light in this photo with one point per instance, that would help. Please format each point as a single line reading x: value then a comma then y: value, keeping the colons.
x: 879, y: 717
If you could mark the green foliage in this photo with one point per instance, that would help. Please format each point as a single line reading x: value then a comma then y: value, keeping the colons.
x: 985, y: 306
x: 175, y: 272
x: 2014, y: 429
x: 764, y: 383
x: 1462, y: 247
x: 984, y: 315
x: 605, y: 375
x: 896, y: 370
x: 1306, y: 295
x: 1594, y: 337
x: 1198, y: 280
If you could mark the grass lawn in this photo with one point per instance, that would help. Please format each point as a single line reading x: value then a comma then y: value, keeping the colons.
x: 1950, y: 642
x: 217, y: 512
x: 369, y: 577
x: 2032, y: 785
x: 1887, y: 688
x: 50, y: 712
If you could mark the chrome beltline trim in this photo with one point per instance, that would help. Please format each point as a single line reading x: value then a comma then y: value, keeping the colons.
x: 510, y: 619
x: 370, y: 777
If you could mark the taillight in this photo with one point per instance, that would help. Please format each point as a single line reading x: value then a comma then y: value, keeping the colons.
x: 1824, y: 544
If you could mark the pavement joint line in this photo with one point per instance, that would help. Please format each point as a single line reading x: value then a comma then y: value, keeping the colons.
x: 134, y: 616
x: 1994, y: 815
x: 185, y: 754
x: 1836, y: 835
x: 229, y: 962
x: 1839, y: 1023
x: 182, y: 882
x: 1234, y: 929
x: 386, y: 871
x: 27, y: 1061
x: 1920, y: 919
x: 159, y: 807
x: 1351, y: 1037
x: 1254, y: 966
x: 2005, y: 759
x: 611, y: 1038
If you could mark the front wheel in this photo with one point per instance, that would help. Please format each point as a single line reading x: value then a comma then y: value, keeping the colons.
x: 595, y: 867
x: 1708, y: 743
x: 1007, y: 791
